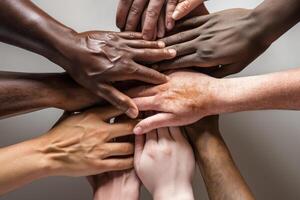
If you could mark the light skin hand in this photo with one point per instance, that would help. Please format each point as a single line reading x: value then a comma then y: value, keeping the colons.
x: 183, y: 8
x: 165, y: 163
x: 186, y: 98
x: 221, y: 176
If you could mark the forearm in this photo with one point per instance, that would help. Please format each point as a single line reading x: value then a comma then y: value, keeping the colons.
x: 25, y: 92
x: 25, y: 25
x: 221, y: 176
x: 181, y: 193
x: 275, y: 17
x: 21, y: 164
x: 279, y: 90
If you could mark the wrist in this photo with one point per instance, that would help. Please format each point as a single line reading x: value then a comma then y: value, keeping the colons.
x: 183, y: 192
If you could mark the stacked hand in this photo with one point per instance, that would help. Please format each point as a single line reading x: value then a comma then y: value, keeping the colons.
x: 96, y: 59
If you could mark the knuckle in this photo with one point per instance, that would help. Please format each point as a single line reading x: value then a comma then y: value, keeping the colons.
x: 152, y: 13
x: 166, y: 150
x: 134, y: 10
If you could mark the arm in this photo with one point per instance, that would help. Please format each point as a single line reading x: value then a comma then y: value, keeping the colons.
x: 165, y: 164
x: 77, y: 146
x: 93, y: 59
x: 26, y: 92
x: 190, y: 96
x: 221, y: 176
x: 231, y: 38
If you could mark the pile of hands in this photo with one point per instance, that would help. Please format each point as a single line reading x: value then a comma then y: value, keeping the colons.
x: 163, y: 158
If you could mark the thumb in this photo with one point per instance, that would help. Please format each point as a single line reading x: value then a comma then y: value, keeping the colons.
x: 185, y: 7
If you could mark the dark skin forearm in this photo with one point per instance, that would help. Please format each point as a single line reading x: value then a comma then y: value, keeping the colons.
x: 221, y: 176
x: 25, y: 92
x: 277, y: 17
x: 25, y: 25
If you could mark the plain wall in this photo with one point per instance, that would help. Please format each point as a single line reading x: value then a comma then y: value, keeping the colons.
x: 264, y: 144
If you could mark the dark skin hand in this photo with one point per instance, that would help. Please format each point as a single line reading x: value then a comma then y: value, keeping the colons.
x: 221, y: 176
x: 231, y: 38
x: 26, y: 92
x: 156, y: 15
x: 94, y: 59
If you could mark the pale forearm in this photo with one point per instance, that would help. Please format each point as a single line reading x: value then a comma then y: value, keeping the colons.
x: 279, y: 90
x: 180, y: 193
x: 21, y: 164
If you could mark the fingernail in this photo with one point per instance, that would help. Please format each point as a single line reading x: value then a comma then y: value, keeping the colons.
x: 175, y: 15
x: 132, y: 113
x: 172, y: 52
x: 138, y: 130
x: 161, y: 44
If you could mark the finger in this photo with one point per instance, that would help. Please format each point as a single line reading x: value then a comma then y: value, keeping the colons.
x: 147, y: 103
x: 114, y: 164
x: 118, y: 99
x: 138, y: 148
x: 143, y: 91
x: 184, y: 8
x: 185, y: 48
x: 176, y: 133
x: 153, y: 12
x: 170, y: 8
x: 181, y: 62
x: 154, y: 122
x: 117, y: 149
x: 192, y: 22
x: 131, y: 35
x: 164, y: 135
x: 105, y: 113
x: 122, y: 129
x: 122, y: 13
x: 180, y: 37
x: 148, y: 75
x: 153, y: 55
x: 161, y: 29
x: 145, y: 44
x: 134, y: 15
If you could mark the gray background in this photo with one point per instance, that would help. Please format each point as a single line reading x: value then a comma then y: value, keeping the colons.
x: 264, y: 144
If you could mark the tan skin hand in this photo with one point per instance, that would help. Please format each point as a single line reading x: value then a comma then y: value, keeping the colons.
x: 99, y: 58
x: 231, y: 38
x: 80, y: 144
x: 186, y: 98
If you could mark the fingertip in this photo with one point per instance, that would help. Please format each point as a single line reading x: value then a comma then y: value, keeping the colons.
x: 176, y: 15
x: 132, y: 113
x: 161, y: 44
x: 172, y: 52
x: 138, y: 130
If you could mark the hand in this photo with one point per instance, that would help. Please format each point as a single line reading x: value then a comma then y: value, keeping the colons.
x: 230, y: 38
x: 186, y: 98
x: 123, y: 185
x: 96, y: 59
x: 80, y: 145
x: 165, y: 163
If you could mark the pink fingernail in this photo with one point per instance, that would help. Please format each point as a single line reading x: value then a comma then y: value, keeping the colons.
x: 132, y: 113
x: 161, y: 44
x: 173, y: 52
